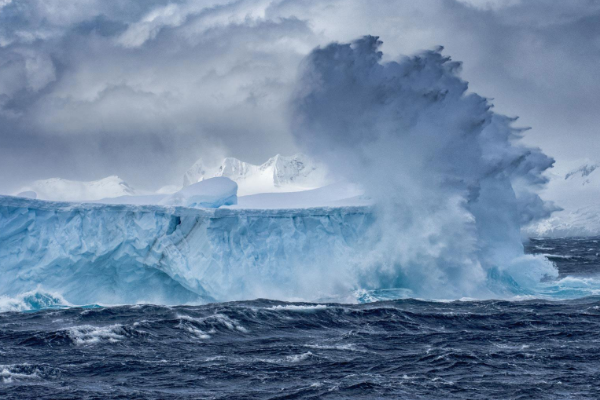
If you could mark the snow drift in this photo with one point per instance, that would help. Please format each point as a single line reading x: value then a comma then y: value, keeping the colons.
x: 211, y: 193
x: 59, y: 189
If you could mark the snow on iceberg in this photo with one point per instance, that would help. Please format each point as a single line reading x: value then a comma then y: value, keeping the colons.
x: 58, y: 189
x: 334, y: 195
x: 211, y: 193
x: 28, y: 194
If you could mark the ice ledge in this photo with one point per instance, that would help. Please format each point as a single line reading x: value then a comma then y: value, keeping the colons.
x: 63, y: 206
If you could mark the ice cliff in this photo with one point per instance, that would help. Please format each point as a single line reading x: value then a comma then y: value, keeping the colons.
x: 109, y: 254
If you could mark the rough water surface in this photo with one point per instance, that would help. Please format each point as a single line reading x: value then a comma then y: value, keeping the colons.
x: 262, y: 349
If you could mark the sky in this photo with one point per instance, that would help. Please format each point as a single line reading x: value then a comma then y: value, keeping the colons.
x: 142, y: 89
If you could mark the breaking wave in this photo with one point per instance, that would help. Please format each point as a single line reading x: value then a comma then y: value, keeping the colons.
x: 31, y: 301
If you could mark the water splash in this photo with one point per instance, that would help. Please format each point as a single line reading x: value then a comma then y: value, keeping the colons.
x: 451, y: 182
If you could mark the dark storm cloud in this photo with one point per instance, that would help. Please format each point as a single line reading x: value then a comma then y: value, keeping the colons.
x: 143, y: 88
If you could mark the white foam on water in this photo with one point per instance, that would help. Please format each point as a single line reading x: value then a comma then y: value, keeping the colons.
x: 88, y: 334
x: 32, y: 300
x: 298, y: 357
x: 12, y: 373
x: 340, y: 347
x: 300, y: 308
x: 215, y: 320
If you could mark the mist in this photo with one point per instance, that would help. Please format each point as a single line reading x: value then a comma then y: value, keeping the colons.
x: 142, y: 89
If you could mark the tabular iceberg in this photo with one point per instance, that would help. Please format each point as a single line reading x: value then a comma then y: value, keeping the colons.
x: 110, y: 254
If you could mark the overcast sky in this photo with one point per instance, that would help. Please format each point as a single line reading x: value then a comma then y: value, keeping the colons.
x: 141, y: 89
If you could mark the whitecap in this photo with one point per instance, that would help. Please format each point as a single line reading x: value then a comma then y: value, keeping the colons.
x: 291, y: 307
x: 32, y: 301
x: 215, y: 319
x: 298, y: 357
x: 88, y: 334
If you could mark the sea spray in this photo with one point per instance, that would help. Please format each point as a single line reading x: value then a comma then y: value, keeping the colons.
x: 451, y: 182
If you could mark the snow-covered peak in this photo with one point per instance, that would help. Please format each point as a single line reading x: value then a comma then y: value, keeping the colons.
x: 277, y: 174
x: 59, y: 189
x: 291, y: 170
x: 196, y: 173
x: 575, y: 187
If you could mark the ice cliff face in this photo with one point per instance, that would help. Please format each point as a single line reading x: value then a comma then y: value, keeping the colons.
x: 277, y: 174
x: 107, y: 254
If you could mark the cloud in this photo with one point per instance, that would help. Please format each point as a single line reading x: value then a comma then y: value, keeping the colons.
x: 142, y: 88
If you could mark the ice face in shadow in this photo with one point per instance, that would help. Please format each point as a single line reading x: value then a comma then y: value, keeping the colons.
x: 451, y: 182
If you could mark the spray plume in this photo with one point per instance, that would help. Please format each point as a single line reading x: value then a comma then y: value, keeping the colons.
x: 450, y: 181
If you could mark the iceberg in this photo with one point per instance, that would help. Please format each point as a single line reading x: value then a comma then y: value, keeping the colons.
x: 169, y: 254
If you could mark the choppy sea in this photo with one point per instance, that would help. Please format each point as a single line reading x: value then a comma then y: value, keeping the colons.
x: 262, y: 349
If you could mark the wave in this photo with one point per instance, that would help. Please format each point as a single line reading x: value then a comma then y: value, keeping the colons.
x: 11, y: 373
x: 32, y: 301
x: 393, y: 346
x: 565, y: 288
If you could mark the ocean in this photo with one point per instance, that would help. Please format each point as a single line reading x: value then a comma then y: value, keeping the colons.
x: 524, y: 348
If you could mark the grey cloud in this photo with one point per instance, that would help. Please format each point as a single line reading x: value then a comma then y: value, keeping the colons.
x: 143, y: 88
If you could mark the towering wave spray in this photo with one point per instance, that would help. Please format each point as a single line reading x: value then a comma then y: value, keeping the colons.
x: 451, y: 182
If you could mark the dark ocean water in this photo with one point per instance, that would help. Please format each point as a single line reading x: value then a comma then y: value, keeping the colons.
x: 410, y: 349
